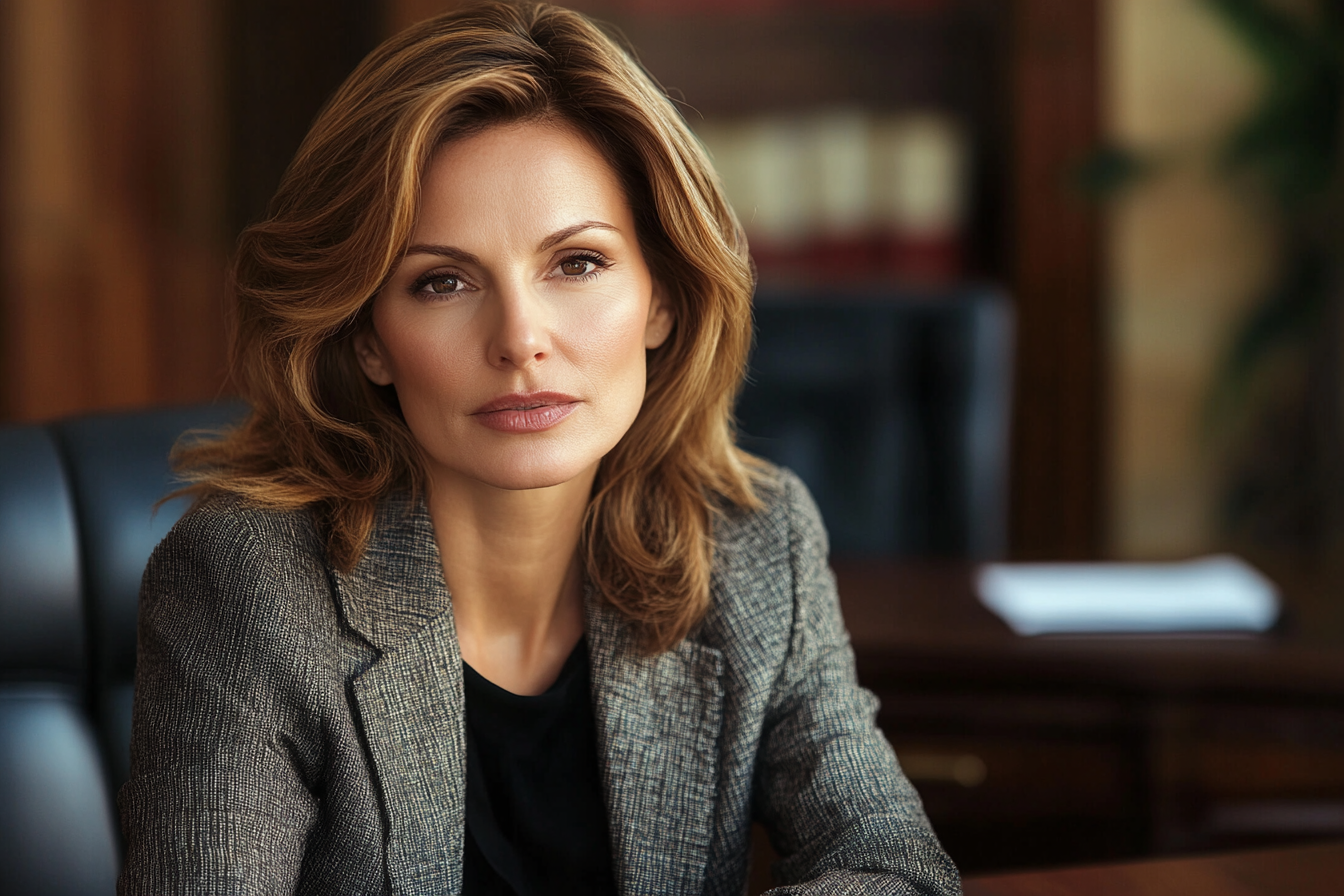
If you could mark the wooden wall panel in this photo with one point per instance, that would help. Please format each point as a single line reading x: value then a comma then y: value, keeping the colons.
x: 284, y: 59
x: 46, y: 184
x: 402, y: 14
x: 113, y: 245
x: 1053, y: 238
x: 121, y: 251
x: 193, y: 232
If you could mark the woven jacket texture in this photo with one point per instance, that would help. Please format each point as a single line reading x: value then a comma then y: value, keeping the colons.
x: 299, y: 730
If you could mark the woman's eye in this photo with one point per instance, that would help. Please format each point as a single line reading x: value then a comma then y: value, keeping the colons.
x: 577, y: 267
x: 441, y: 285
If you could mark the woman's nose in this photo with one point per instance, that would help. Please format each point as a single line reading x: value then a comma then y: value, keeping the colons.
x: 520, y: 330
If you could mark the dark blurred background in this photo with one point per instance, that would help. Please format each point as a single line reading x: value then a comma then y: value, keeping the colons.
x: 1063, y: 163
x: 141, y: 135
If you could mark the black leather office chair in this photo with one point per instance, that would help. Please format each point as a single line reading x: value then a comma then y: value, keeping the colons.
x: 56, y: 821
x: 118, y: 470
x: 76, y: 527
x: 894, y: 409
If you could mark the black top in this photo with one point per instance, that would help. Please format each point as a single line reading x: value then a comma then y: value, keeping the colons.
x: 535, y: 818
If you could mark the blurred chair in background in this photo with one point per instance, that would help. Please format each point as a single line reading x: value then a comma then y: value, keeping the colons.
x: 894, y: 409
x: 77, y: 524
x: 56, y: 817
x: 118, y: 469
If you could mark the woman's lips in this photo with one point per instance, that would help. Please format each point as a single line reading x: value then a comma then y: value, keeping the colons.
x: 529, y: 412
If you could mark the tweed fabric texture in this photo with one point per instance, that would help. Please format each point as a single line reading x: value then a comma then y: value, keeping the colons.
x: 298, y: 730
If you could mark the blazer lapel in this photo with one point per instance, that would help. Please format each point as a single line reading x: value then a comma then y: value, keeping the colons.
x: 658, y: 721
x: 410, y: 701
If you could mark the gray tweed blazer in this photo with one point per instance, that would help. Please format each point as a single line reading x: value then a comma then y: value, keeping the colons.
x: 298, y: 730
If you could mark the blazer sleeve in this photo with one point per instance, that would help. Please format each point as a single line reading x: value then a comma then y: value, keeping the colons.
x: 216, y: 801
x: 828, y: 788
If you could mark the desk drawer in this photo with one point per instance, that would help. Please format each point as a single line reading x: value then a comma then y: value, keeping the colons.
x: 1014, y: 778
x: 1004, y: 802
x: 1231, y: 776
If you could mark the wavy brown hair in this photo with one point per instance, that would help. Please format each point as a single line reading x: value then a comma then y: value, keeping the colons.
x: 321, y: 436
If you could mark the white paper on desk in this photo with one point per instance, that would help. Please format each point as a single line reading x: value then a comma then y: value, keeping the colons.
x: 1220, y: 593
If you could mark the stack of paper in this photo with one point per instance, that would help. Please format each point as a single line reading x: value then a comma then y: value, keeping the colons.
x: 1219, y: 593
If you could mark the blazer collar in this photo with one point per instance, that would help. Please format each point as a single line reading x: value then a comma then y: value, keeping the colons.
x: 397, y: 588
x: 409, y: 702
x: 658, y: 721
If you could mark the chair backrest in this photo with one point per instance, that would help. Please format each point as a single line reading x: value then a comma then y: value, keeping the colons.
x: 56, y: 821
x: 118, y: 468
x: 77, y: 524
x: 894, y: 409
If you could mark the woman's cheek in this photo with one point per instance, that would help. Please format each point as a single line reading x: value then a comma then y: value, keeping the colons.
x: 610, y: 329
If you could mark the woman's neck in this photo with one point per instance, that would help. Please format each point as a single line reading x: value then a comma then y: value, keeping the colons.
x: 510, y: 559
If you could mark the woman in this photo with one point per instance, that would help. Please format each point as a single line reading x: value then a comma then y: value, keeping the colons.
x: 482, y: 597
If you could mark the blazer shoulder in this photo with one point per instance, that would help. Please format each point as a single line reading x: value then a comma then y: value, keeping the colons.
x: 786, y: 523
x: 234, y: 517
x: 241, y: 555
x: 227, y: 527
x: 762, y: 558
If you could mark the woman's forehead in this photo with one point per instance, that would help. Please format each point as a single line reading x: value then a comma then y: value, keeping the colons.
x: 519, y: 180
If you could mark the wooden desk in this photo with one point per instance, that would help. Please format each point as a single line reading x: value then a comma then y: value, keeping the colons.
x: 1302, y: 871
x: 1060, y: 750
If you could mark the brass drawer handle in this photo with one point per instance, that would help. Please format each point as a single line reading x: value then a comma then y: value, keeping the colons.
x: 965, y: 769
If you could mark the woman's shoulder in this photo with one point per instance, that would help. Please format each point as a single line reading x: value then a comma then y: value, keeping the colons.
x: 764, y: 559
x: 242, y: 556
x: 785, y: 523
x: 231, y: 526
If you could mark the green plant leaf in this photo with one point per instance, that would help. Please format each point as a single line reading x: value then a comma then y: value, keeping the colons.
x: 1276, y: 38
x: 1290, y: 141
x: 1288, y: 314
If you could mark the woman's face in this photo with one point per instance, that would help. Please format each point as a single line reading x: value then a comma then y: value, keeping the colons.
x: 515, y: 327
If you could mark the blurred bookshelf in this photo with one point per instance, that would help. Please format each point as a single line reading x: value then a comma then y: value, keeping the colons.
x: 886, y: 147
x: 854, y: 140
x: 841, y: 194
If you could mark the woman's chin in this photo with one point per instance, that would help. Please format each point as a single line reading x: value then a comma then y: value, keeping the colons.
x: 526, y: 476
x: 526, y: 481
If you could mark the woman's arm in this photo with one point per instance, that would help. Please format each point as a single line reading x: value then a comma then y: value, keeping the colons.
x: 828, y: 788
x: 217, y: 800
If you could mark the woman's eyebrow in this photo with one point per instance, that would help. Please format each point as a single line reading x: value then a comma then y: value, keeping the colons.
x: 444, y: 251
x: 466, y: 257
x: 574, y: 229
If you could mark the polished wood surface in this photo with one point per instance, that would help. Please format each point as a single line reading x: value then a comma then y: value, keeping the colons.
x: 923, y: 621
x: 1032, y: 752
x: 1316, y: 870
